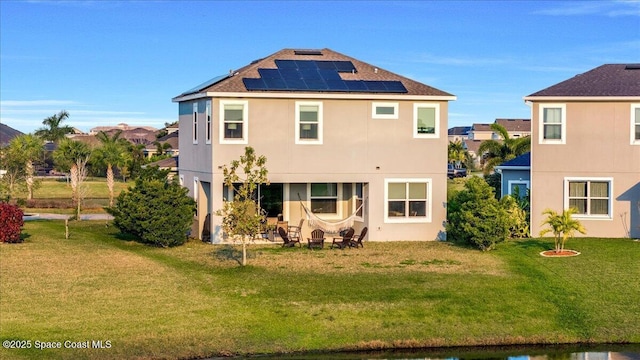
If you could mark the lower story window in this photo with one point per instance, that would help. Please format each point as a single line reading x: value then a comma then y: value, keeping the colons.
x: 407, y: 200
x: 324, y: 198
x: 591, y: 197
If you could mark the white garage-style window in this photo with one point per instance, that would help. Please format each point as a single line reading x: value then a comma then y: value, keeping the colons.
x: 384, y: 110
x: 635, y: 124
x: 208, y: 124
x: 407, y: 200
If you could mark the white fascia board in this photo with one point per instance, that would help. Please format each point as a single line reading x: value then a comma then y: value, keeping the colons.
x: 581, y: 98
x: 293, y: 95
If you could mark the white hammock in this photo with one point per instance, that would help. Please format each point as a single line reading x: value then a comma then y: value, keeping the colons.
x: 331, y: 227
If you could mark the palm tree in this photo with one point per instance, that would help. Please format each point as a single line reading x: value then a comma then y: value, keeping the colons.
x: 457, y: 153
x: 73, y: 155
x: 496, y: 152
x: 52, y: 130
x: 27, y: 148
x: 112, y: 152
x: 161, y: 148
x: 563, y: 226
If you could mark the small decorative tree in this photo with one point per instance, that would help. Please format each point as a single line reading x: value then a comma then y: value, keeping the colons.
x: 563, y: 226
x: 242, y: 217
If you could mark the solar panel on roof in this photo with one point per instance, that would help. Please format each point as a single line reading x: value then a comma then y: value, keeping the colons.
x: 317, y: 75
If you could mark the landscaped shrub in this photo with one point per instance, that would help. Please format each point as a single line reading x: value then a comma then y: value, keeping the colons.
x: 11, y: 222
x: 155, y: 210
x: 518, y: 217
x: 476, y: 217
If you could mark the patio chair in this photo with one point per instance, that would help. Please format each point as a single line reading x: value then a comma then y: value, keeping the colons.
x: 343, y: 241
x: 357, y: 239
x: 316, y: 239
x: 287, y: 242
x: 295, y: 232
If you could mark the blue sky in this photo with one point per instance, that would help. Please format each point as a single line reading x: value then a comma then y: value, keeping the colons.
x: 108, y: 62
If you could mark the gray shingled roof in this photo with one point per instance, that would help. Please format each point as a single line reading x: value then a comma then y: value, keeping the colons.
x: 605, y: 80
x: 7, y: 133
x: 364, y: 71
x: 523, y: 160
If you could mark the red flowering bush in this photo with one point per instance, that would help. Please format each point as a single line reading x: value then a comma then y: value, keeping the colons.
x: 10, y: 223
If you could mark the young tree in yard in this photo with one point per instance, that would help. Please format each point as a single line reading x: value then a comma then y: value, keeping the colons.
x: 14, y: 173
x: 112, y: 152
x: 73, y: 156
x: 53, y: 130
x: 563, y: 226
x: 27, y: 148
x: 457, y: 154
x: 476, y: 217
x: 242, y: 217
x: 157, y: 211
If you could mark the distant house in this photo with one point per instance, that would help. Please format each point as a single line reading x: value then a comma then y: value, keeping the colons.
x: 170, y: 164
x: 481, y: 132
x: 7, y: 134
x: 515, y: 173
x: 171, y: 139
x: 333, y: 129
x: 135, y: 134
x: 515, y: 127
x: 459, y: 133
x: 585, y: 150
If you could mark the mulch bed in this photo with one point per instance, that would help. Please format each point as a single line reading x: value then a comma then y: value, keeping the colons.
x: 563, y: 253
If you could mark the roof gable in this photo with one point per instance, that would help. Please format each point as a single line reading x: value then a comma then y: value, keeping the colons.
x: 605, y: 80
x: 350, y: 76
x: 521, y: 161
x: 7, y: 133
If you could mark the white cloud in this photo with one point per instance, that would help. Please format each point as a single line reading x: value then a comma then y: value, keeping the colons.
x: 605, y: 8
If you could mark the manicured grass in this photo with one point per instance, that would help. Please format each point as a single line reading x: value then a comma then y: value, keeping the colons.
x: 196, y: 301
x: 60, y: 189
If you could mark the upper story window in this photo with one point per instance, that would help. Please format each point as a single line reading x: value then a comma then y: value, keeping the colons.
x: 553, y: 124
x: 208, y: 124
x: 234, y: 122
x: 635, y: 124
x: 308, y: 123
x: 384, y: 110
x: 591, y: 196
x: 426, y: 120
x: 195, y: 123
x: 407, y: 200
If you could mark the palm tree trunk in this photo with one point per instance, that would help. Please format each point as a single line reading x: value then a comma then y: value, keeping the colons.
x: 110, y: 182
x: 74, y: 183
x: 29, y: 170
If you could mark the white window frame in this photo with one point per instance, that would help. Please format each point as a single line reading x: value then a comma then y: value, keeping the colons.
x: 338, y: 197
x: 208, y: 128
x: 563, y: 124
x: 408, y: 219
x: 245, y: 122
x: 517, y: 182
x: 376, y: 105
x: 317, y: 141
x: 194, y: 123
x: 436, y: 133
x: 609, y: 216
x: 633, y: 122
x: 355, y: 198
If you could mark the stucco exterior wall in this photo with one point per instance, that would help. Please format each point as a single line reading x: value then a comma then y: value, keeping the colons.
x: 597, y: 147
x: 356, y: 148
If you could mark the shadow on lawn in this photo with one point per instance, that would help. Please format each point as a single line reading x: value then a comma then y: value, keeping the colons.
x: 228, y: 252
x: 532, y: 244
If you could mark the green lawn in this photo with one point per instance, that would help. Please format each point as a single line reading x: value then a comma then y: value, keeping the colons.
x: 196, y: 301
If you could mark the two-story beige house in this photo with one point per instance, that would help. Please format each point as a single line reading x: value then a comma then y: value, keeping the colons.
x: 337, y: 133
x: 585, y: 150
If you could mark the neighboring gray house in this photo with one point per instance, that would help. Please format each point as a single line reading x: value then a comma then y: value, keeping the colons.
x: 342, y: 138
x: 515, y: 173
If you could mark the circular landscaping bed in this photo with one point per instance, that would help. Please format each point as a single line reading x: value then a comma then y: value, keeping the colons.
x: 563, y: 253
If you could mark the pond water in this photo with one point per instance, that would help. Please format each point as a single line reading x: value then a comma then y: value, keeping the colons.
x: 560, y: 352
